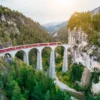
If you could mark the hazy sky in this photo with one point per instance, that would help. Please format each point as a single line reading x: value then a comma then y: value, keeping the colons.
x: 45, y: 11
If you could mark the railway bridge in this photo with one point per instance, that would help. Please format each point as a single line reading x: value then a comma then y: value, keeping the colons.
x: 39, y: 46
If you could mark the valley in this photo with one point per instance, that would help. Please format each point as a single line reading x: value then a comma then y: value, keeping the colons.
x: 55, y: 61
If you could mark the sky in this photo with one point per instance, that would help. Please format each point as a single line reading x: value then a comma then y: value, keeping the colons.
x: 45, y: 11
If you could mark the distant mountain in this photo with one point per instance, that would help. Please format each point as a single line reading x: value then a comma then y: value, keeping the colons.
x: 19, y: 29
x: 54, y: 26
x: 95, y: 11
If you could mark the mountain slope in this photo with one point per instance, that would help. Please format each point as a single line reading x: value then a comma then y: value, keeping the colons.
x: 95, y: 11
x: 54, y: 26
x: 18, y: 29
x: 61, y: 34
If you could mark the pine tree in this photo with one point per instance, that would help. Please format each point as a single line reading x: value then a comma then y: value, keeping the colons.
x: 16, y: 95
x: 47, y: 96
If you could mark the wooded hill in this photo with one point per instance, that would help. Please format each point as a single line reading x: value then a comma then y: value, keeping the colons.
x: 19, y: 29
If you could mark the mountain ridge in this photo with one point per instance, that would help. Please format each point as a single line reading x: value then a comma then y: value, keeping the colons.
x: 96, y: 10
x: 54, y: 26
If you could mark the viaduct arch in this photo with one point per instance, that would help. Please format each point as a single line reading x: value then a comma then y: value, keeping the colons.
x: 40, y: 46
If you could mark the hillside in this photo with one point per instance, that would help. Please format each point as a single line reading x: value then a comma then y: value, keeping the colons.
x: 95, y: 11
x: 54, y: 26
x: 18, y: 29
x: 61, y: 34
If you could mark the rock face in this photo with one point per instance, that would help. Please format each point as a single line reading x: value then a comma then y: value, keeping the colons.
x: 80, y: 40
x: 96, y: 88
x: 86, y: 78
x: 82, y: 50
x: 77, y: 37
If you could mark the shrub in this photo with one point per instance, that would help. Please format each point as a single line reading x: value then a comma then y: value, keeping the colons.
x: 76, y: 72
x: 96, y: 76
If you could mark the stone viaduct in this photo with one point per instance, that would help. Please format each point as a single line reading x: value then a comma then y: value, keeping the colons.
x: 40, y: 46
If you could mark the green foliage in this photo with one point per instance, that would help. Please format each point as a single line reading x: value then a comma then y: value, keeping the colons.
x: 60, y: 95
x: 80, y: 20
x: 89, y: 97
x: 96, y: 76
x: 70, y: 77
x: 76, y: 72
x: 21, y: 30
x: 47, y: 95
x: 25, y: 83
x: 46, y: 59
x: 16, y: 95
x: 96, y: 22
x: 20, y: 54
x: 1, y: 11
x: 88, y: 23
x: 33, y: 57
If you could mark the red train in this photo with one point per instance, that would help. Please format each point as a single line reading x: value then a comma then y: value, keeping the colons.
x: 28, y: 46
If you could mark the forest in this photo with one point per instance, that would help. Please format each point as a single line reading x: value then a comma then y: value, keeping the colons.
x: 23, y: 82
x: 19, y: 29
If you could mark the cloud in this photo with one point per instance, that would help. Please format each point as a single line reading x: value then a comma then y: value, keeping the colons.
x: 45, y: 11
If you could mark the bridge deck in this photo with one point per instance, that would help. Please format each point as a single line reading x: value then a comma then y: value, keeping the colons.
x: 28, y: 46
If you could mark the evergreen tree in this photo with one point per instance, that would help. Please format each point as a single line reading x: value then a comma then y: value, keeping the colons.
x: 16, y: 95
